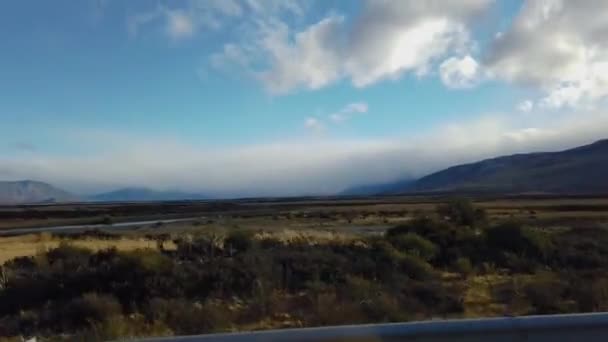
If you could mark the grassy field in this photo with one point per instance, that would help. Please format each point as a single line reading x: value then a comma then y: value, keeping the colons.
x: 307, y: 213
x: 32, y: 244
x: 374, y: 217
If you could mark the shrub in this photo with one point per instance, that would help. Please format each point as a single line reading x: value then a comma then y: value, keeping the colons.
x: 590, y: 294
x: 578, y: 249
x: 513, y: 237
x: 461, y: 212
x: 121, y: 327
x: 149, y: 260
x: 239, y: 241
x: 435, y: 231
x: 414, y: 244
x: 432, y: 297
x: 68, y: 254
x: 185, y: 317
x: 358, y: 289
x: 545, y: 293
x: 463, y: 266
x: 415, y: 267
x: 90, y: 308
x: 384, y: 308
x: 328, y: 310
x: 385, y: 258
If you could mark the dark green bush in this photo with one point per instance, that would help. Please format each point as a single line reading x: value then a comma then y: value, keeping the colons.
x: 546, y: 293
x: 414, y: 244
x: 463, y: 266
x: 239, y: 241
x: 186, y: 317
x: 514, y: 238
x: 462, y: 212
x: 89, y: 308
x: 415, y: 267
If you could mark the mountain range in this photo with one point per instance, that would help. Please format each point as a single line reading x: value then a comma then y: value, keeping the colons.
x: 28, y: 191
x: 581, y: 170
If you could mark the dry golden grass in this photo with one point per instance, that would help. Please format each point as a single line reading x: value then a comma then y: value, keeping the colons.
x: 479, y: 300
x: 27, y: 245
x: 310, y: 236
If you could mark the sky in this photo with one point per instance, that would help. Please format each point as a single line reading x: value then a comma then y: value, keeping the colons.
x: 270, y: 97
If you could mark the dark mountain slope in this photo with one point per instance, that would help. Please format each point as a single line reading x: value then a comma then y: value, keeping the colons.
x: 579, y: 170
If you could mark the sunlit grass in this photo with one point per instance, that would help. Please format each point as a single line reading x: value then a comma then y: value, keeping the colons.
x: 31, y: 244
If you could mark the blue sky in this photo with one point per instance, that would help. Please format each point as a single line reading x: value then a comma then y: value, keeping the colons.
x: 286, y: 97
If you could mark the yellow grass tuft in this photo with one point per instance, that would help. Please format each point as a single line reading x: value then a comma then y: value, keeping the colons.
x: 32, y: 244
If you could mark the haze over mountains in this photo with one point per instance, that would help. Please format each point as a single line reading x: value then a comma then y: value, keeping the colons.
x: 21, y: 192
x: 581, y: 170
x: 144, y: 194
x: 29, y: 191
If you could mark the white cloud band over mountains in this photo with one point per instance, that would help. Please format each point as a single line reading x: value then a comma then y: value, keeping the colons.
x: 309, y: 166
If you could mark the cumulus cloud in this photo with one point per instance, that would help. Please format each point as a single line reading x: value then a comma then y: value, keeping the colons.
x: 525, y: 106
x: 309, y: 61
x: 387, y: 40
x: 314, y: 124
x: 460, y: 72
x: 394, y: 37
x: 558, y: 46
x: 348, y: 112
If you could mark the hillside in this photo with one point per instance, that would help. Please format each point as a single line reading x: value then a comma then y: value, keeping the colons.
x: 27, y: 191
x: 578, y: 170
x: 144, y: 194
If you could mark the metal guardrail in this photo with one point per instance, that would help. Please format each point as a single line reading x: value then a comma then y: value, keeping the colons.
x: 572, y: 327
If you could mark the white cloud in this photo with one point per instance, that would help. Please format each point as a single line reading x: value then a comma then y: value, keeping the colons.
x: 309, y: 61
x: 134, y: 22
x: 525, y: 106
x: 388, y: 40
x: 560, y: 47
x: 349, y: 111
x: 460, y: 72
x: 316, y: 165
x: 394, y: 37
x: 314, y: 124
x: 185, y: 18
x: 180, y: 25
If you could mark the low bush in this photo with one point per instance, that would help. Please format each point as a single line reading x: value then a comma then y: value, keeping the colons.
x: 414, y: 244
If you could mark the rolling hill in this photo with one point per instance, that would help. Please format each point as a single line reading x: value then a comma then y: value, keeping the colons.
x: 28, y: 191
x: 581, y: 170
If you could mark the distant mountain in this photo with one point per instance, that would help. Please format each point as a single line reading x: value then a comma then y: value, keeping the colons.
x: 579, y: 170
x: 144, y: 194
x: 28, y: 191
x: 375, y: 189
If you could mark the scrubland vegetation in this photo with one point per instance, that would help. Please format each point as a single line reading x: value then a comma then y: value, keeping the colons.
x: 451, y: 264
